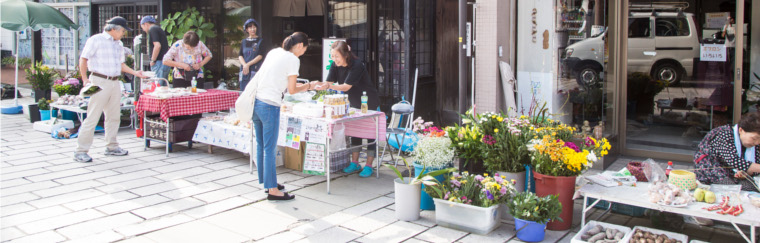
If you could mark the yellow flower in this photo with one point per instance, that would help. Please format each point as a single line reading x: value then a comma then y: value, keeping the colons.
x: 535, y: 209
x: 485, y: 174
x: 496, y: 130
x: 493, y: 116
x: 522, y: 117
x: 503, y: 177
x: 501, y: 119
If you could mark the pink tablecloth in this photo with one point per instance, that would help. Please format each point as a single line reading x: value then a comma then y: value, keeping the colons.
x: 210, y: 101
x: 364, y: 127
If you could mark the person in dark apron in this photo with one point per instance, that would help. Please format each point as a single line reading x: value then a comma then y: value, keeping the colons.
x: 249, y: 56
x: 730, y: 154
x: 187, y: 56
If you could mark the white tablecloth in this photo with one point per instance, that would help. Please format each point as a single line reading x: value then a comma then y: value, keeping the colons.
x: 221, y: 134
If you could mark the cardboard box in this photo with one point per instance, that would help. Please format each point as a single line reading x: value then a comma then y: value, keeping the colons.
x: 294, y: 157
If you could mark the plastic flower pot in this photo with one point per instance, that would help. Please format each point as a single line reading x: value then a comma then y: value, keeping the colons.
x: 519, y: 178
x: 45, y: 114
x: 426, y: 202
x: 530, y: 231
x: 474, y: 219
x: 407, y: 199
x: 564, y: 188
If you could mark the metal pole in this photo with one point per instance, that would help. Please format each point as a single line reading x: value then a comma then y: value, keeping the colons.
x: 15, y: 88
x: 462, y: 57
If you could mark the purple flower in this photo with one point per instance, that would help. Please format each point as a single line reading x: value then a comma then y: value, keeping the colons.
x: 479, y: 177
x: 73, y: 81
x: 488, y: 139
x: 446, y: 197
x: 589, y: 142
x: 456, y: 183
x: 498, y: 179
x: 489, y: 195
x: 503, y: 190
x: 572, y: 146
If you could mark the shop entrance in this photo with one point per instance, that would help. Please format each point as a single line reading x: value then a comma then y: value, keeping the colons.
x: 681, y: 75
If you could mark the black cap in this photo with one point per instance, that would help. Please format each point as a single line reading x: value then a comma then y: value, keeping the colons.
x: 120, y: 21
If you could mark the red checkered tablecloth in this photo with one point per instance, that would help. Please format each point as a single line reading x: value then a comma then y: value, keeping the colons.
x: 210, y: 101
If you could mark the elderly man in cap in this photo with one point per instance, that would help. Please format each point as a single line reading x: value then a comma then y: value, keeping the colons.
x: 157, y: 44
x: 103, y: 55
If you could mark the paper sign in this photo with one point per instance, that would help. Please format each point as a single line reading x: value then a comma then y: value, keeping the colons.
x: 715, y: 20
x: 314, y: 131
x: 314, y: 159
x: 712, y: 53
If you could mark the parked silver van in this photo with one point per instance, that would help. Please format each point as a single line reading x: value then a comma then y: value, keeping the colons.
x: 663, y: 44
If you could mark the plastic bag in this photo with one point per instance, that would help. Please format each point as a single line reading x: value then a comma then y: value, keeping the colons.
x: 61, y: 132
x: 655, y: 172
x: 338, y: 137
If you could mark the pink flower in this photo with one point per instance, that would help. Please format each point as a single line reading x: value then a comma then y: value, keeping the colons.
x: 479, y: 177
x: 73, y: 81
x: 572, y: 146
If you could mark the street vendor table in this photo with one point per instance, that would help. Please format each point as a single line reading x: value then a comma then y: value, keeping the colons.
x: 295, y: 128
x: 81, y: 112
x: 210, y: 101
x: 637, y: 196
x: 221, y: 134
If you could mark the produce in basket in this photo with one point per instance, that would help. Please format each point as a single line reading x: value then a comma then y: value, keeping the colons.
x: 641, y: 236
x: 599, y: 234
x: 668, y: 194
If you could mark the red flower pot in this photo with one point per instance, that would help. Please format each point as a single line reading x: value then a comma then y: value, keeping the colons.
x: 564, y: 188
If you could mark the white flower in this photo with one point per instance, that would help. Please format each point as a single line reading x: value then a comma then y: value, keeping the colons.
x: 433, y: 152
x: 592, y: 157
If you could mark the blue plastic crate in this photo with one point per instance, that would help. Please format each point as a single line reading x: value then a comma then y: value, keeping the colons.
x: 619, y: 208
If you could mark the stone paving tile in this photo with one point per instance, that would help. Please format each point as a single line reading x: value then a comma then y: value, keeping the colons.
x: 13, y: 182
x: 369, y: 206
x: 128, y: 176
x: 136, y: 203
x: 226, y: 192
x: 99, y: 166
x: 56, y: 175
x: 167, y: 208
x: 181, y: 174
x: 10, y: 233
x: 96, y: 226
x: 192, y: 190
x: 32, y: 216
x: 238, y: 179
x: 28, y: 187
x: 217, y: 207
x: 396, y: 232
x: 63, y: 189
x: 140, y: 165
x: 15, y: 209
x: 153, y: 224
x: 47, y: 236
x: 196, y: 231
x: 323, y: 223
x: 17, y: 168
x: 18, y: 198
x: 60, y: 221
x: 415, y: 240
x: 104, y: 174
x: 127, y: 185
x: 99, y: 201
x: 244, y: 219
x: 223, y: 165
x: 287, y: 236
x: 64, y: 198
x: 25, y: 173
x: 105, y: 236
x: 334, y: 234
x: 501, y: 234
x: 441, y: 234
x: 427, y: 218
x: 161, y: 187
x: 371, y: 222
x: 212, y: 176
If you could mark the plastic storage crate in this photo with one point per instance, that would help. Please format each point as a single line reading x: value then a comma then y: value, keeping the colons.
x: 339, y: 160
x: 619, y: 208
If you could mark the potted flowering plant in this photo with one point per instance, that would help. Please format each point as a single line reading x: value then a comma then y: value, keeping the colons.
x: 41, y: 77
x: 434, y: 152
x: 471, y: 202
x: 468, y: 141
x: 532, y: 213
x: 504, y: 150
x: 557, y: 163
x: 407, y: 191
x: 67, y: 86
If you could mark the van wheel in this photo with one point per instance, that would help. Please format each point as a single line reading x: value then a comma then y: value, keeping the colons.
x: 668, y: 72
x: 588, y: 75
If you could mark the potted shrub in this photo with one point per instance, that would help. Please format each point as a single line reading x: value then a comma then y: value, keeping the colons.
x: 407, y: 191
x: 468, y: 142
x: 504, y: 146
x: 557, y: 163
x: 532, y: 213
x: 67, y: 86
x: 45, y: 112
x: 471, y: 202
x: 41, y: 77
x: 434, y: 152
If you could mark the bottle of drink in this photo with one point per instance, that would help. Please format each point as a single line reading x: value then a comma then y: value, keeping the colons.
x: 364, y: 102
x: 348, y: 105
x: 670, y: 167
x: 195, y: 84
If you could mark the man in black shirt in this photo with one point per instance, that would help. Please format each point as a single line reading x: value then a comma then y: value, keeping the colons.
x: 157, y: 45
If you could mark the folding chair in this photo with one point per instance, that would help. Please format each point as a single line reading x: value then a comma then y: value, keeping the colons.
x: 399, y: 111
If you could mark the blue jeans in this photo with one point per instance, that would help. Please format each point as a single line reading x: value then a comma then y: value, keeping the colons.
x: 266, y: 121
x: 161, y: 70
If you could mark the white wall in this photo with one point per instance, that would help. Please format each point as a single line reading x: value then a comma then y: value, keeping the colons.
x: 7, y: 40
x: 537, y: 67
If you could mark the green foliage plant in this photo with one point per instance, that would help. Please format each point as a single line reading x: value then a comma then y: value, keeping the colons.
x: 40, y: 76
x: 177, y: 24
x: 527, y: 206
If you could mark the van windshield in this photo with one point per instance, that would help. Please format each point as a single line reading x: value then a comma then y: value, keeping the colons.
x: 599, y: 34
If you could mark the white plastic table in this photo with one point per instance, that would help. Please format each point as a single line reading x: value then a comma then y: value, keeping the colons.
x: 637, y: 196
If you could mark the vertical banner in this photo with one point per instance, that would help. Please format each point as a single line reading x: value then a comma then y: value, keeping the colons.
x: 314, y: 159
x: 326, y: 59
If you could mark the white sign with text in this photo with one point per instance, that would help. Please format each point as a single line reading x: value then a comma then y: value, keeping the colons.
x: 712, y: 53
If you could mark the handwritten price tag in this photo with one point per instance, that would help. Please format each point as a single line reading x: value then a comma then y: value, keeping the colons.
x: 712, y: 53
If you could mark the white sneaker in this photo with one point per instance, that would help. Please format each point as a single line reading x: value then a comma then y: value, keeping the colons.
x: 82, y: 157
x: 116, y: 152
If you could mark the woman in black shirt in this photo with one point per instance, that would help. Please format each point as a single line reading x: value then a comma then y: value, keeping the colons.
x: 348, y: 74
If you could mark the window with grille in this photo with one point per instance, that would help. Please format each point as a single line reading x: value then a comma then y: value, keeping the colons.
x: 348, y: 19
x: 425, y: 36
x: 132, y: 12
x: 58, y: 44
x: 391, y: 69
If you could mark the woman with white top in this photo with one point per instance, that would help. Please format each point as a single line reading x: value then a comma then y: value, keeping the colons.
x: 277, y: 74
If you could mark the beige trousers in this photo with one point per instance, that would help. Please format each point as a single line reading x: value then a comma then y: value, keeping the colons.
x: 108, y: 102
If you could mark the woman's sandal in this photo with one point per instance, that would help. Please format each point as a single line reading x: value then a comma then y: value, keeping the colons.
x: 284, y: 197
x: 279, y: 187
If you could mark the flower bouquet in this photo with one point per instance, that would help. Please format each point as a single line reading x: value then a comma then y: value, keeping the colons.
x: 471, y: 202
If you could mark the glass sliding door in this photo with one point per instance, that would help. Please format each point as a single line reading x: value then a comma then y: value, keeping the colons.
x: 679, y: 79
